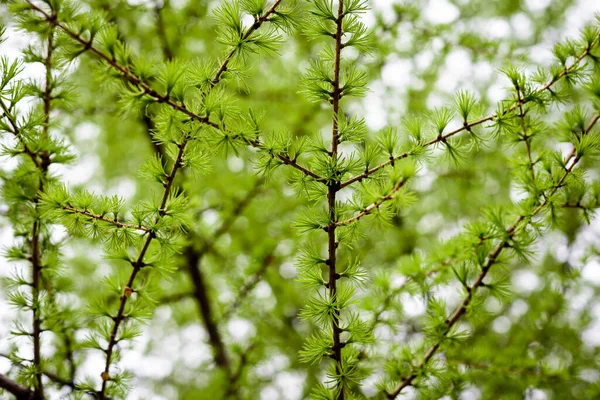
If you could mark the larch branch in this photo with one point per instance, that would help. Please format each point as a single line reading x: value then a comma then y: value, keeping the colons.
x: 491, y: 260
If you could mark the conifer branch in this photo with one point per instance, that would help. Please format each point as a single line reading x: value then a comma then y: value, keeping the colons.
x: 17, y: 132
x: 531, y: 371
x: 50, y: 375
x: 526, y: 137
x: 20, y: 392
x: 102, y: 218
x: 35, y: 235
x: 333, y: 188
x: 370, y: 208
x: 243, y: 292
x: 491, y: 260
x: 137, y: 266
x: 257, y: 24
x: 390, y: 297
x: 167, y: 99
x: 467, y: 126
x: 232, y: 387
x: 238, y: 209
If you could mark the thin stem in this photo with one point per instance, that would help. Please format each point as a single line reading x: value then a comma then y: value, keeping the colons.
x: 491, y: 260
x: 223, y: 68
x: 102, y: 218
x: 526, y: 137
x: 388, y: 299
x: 333, y: 188
x: 137, y: 266
x: 35, y: 234
x: 370, y: 208
x: 50, y: 375
x: 70, y: 360
x: 12, y: 119
x: 469, y: 125
x: 233, y: 382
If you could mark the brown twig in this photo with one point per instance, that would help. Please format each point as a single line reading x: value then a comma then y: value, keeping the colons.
x: 20, y: 392
x: 17, y: 133
x: 333, y: 188
x: 137, y: 266
x: 102, y: 218
x: 526, y: 137
x: 36, y: 262
x: 257, y: 23
x: 369, y: 209
x: 204, y: 305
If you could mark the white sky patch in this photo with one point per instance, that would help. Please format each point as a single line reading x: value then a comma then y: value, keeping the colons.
x: 240, y: 329
x: 397, y: 73
x: 525, y: 281
x: 536, y: 394
x: 495, y: 28
x: 458, y: 67
x: 472, y: 393
x: 413, y: 305
x: 501, y: 324
x: 518, y: 308
x: 424, y: 59
x: 522, y: 25
x: 386, y: 8
x: 537, y: 5
x: 290, y: 384
x: 591, y: 335
x: 375, y: 114
x: 441, y: 12
x: 591, y: 272
x: 124, y: 188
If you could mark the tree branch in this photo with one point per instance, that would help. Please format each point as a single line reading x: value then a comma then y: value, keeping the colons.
x: 367, y: 210
x: 249, y: 32
x: 137, y: 266
x: 102, y: 218
x: 491, y: 260
x: 20, y: 392
x: 526, y: 137
x: 17, y: 133
x: 333, y: 188
x: 469, y: 125
x: 166, y: 99
x: 160, y: 28
x: 200, y: 293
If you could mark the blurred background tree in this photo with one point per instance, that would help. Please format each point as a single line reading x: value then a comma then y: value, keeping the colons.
x: 221, y: 293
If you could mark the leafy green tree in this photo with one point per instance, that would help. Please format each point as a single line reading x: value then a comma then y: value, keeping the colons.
x: 234, y: 200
